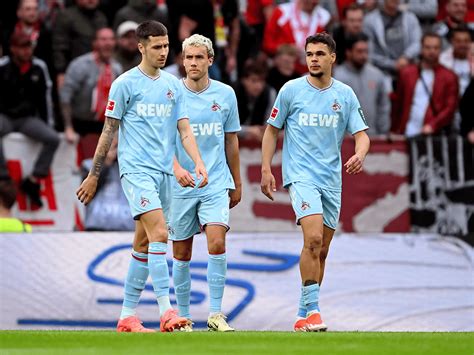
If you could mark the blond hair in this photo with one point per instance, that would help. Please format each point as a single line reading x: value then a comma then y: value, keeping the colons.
x: 199, y: 40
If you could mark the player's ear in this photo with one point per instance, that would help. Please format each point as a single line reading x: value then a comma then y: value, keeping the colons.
x: 141, y: 47
x: 333, y: 57
x: 211, y: 60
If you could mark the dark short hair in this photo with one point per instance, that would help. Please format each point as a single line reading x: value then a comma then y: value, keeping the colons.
x: 352, y: 7
x: 431, y: 34
x: 7, y: 193
x: 324, y: 38
x: 20, y: 39
x: 150, y: 28
x: 352, y: 40
x: 254, y: 67
x: 462, y: 28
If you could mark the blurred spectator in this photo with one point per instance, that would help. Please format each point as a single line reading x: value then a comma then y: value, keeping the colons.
x: 427, y: 94
x: 177, y: 68
x: 292, y: 23
x: 110, y: 8
x: 8, y: 224
x: 48, y: 12
x: 86, y: 87
x: 368, y: 83
x: 142, y: 10
x: 217, y: 20
x: 425, y: 10
x: 456, y: 11
x: 284, y: 66
x: 109, y: 210
x: 257, y: 15
x: 394, y: 37
x: 351, y: 25
x: 127, y: 53
x: 255, y: 99
x: 74, y: 32
x: 466, y: 108
x: 25, y: 106
x: 458, y: 57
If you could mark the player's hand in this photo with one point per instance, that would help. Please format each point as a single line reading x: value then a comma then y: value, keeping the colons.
x: 201, y: 174
x: 354, y: 165
x: 85, y: 193
x: 184, y: 177
x: 268, y: 184
x: 70, y: 135
x: 235, y: 196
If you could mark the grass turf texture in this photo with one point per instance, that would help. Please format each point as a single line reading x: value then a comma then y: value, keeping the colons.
x: 104, y: 342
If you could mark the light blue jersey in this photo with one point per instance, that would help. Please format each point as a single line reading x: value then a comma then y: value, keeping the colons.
x: 315, y: 122
x: 148, y: 110
x: 213, y: 113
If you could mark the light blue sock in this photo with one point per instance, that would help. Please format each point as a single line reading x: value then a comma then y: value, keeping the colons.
x: 311, y: 298
x: 159, y: 273
x: 182, y: 286
x: 302, y: 307
x: 216, y: 271
x: 134, y: 283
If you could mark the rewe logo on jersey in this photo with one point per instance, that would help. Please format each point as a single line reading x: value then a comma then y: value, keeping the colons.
x: 207, y: 129
x: 153, y: 110
x: 317, y: 120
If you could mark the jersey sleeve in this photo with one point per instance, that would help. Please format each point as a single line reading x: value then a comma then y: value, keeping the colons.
x: 119, y: 96
x: 232, y: 122
x: 181, y: 111
x: 280, y: 110
x: 356, y: 121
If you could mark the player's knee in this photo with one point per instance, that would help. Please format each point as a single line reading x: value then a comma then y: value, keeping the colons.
x: 216, y: 247
x: 180, y: 253
x: 159, y: 235
x: 314, y: 243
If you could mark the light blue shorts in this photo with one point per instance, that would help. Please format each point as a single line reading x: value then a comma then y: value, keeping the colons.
x: 188, y: 215
x: 308, y: 199
x: 146, y: 192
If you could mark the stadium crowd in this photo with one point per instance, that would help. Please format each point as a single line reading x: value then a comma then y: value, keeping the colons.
x: 410, y: 62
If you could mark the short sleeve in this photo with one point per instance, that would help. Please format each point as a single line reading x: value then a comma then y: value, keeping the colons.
x: 280, y: 110
x: 119, y: 95
x: 356, y: 121
x: 232, y: 121
x: 181, y: 109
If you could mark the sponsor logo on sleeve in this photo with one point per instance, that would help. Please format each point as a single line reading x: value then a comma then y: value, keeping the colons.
x: 274, y: 114
x: 110, y: 105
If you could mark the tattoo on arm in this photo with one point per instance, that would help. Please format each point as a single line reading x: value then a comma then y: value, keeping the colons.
x: 105, y: 141
x: 184, y: 138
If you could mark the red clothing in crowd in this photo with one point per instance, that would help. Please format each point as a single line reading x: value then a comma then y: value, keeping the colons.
x: 289, y: 25
x: 254, y: 13
x: 444, y: 98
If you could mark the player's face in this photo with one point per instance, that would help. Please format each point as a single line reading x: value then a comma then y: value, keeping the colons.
x: 319, y: 59
x: 196, y: 62
x: 155, y: 51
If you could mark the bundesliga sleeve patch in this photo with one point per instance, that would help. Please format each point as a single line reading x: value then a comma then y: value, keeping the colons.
x: 110, y: 105
x: 274, y: 114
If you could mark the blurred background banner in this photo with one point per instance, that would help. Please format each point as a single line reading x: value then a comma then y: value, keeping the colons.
x: 74, y: 281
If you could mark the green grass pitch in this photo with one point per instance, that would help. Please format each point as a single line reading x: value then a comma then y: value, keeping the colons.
x: 105, y: 342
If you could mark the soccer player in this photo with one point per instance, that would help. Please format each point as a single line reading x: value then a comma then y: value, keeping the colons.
x: 215, y: 123
x: 148, y: 107
x: 315, y: 111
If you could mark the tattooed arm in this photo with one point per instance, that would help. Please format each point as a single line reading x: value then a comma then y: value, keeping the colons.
x: 87, y: 190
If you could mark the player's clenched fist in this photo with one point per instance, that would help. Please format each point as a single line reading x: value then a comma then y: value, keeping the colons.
x: 268, y: 184
x: 85, y: 193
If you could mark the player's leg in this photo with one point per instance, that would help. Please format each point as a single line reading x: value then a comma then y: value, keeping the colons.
x: 135, y: 283
x: 328, y: 234
x: 214, y: 215
x: 183, y: 225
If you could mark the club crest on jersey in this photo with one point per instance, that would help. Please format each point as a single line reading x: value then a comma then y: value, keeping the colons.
x: 215, y: 106
x: 305, y: 205
x: 144, y: 201
x: 170, y: 230
x: 110, y: 105
x: 170, y: 94
x: 336, y: 106
x: 274, y: 114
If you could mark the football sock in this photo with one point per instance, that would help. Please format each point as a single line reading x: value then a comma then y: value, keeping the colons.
x: 182, y: 286
x: 311, y: 298
x: 302, y: 307
x: 159, y: 273
x: 134, y: 283
x: 216, y: 274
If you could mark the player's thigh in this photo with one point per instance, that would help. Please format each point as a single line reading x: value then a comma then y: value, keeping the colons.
x: 305, y: 200
x: 331, y: 201
x: 140, y: 240
x: 328, y: 234
x: 141, y: 192
x: 312, y: 226
x: 183, y: 220
x: 155, y: 226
